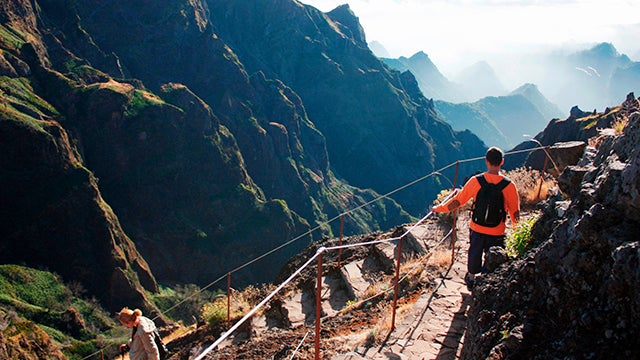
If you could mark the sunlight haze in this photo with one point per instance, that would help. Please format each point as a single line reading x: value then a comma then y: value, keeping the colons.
x: 456, y: 34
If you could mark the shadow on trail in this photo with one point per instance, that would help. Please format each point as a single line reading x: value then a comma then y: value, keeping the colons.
x: 452, y: 338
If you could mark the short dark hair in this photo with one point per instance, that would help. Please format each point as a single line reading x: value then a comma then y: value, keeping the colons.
x: 494, y: 156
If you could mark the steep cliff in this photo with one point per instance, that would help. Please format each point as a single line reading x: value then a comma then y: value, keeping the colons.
x: 52, y: 213
x: 196, y: 159
x: 574, y: 295
x: 381, y: 132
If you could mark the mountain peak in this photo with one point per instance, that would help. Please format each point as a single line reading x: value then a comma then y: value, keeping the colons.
x: 528, y: 88
x: 605, y: 49
x: 420, y: 55
x: 350, y: 24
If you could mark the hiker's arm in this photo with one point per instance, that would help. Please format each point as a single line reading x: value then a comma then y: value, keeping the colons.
x: 150, y: 346
x: 513, y: 203
x: 461, y: 198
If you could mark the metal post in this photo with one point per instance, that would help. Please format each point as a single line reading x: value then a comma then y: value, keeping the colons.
x: 544, y: 168
x: 228, y: 300
x: 395, y: 286
x: 454, y: 229
x: 341, y: 229
x: 318, y: 306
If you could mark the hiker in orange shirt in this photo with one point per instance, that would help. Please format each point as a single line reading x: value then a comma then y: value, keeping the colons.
x: 494, y: 196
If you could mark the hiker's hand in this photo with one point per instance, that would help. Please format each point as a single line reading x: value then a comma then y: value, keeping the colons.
x: 124, y: 348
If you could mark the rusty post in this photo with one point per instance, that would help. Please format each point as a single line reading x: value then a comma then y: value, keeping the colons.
x: 228, y: 300
x: 341, y: 229
x: 395, y: 286
x: 544, y: 168
x: 454, y: 229
x: 318, y: 306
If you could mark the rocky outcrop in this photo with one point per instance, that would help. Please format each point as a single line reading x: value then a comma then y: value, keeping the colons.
x: 574, y: 295
x: 193, y: 155
x: 23, y: 339
x: 43, y: 186
x: 348, y: 93
x: 579, y: 126
x: 556, y: 157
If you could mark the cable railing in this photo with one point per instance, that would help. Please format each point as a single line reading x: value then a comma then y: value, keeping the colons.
x: 319, y: 256
x: 321, y: 250
x: 340, y: 216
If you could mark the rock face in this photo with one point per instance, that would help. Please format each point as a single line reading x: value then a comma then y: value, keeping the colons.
x: 380, y: 131
x: 432, y: 82
x: 579, y: 126
x: 52, y: 214
x: 147, y: 110
x: 574, y: 295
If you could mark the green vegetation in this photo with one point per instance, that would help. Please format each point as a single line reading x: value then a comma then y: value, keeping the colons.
x: 215, y: 312
x: 518, y: 241
x: 18, y: 102
x: 83, y: 70
x: 20, y: 92
x: 241, y: 302
x: 41, y: 301
x: 182, y: 303
x: 142, y: 100
x: 10, y: 37
x: 38, y: 288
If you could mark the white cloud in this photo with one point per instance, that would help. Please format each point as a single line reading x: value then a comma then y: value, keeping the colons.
x: 458, y: 33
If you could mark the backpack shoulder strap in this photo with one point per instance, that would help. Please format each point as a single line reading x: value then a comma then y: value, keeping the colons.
x: 504, y: 183
x: 483, y: 182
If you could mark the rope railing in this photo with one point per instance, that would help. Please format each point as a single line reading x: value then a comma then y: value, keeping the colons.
x: 295, y: 352
x: 327, y: 222
x: 438, y: 243
x: 318, y: 255
x: 309, y: 232
x: 257, y: 307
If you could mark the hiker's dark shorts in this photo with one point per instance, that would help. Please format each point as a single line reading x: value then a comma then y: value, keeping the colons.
x: 479, y: 244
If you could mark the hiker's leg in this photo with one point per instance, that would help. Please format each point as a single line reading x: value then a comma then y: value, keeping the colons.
x: 476, y: 245
x: 489, y: 242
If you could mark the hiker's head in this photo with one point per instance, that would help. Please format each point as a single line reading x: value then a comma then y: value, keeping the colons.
x: 494, y: 157
x: 129, y: 317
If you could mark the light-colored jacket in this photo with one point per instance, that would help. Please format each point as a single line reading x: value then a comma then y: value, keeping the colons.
x: 141, y: 345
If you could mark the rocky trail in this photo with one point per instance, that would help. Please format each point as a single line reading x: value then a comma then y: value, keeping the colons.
x: 433, y: 326
x: 430, y: 320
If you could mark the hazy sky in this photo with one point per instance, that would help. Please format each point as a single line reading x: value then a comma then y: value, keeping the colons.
x: 457, y: 33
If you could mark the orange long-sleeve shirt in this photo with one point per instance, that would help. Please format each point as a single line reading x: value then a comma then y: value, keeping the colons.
x: 470, y: 190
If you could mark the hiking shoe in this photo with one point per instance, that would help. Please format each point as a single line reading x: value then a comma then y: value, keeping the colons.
x: 470, y: 281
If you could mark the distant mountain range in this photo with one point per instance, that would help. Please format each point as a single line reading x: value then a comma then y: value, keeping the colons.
x: 502, y: 121
x: 595, y: 77
x: 477, y: 100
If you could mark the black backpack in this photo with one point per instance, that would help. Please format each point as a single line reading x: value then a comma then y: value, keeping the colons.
x: 162, y: 348
x: 488, y: 208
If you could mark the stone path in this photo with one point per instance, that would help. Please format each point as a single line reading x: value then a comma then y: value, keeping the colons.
x: 434, y: 327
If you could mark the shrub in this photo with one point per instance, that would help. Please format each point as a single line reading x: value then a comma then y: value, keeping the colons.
x: 182, y: 302
x: 215, y: 312
x: 527, y: 181
x: 619, y: 124
x: 241, y: 303
x: 518, y: 241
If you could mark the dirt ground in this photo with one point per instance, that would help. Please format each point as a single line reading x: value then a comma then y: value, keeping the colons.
x: 430, y: 322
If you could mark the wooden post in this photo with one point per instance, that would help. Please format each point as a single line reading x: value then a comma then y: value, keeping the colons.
x: 544, y: 168
x: 341, y: 229
x: 395, y: 286
x: 318, y: 306
x: 454, y: 229
x: 228, y: 300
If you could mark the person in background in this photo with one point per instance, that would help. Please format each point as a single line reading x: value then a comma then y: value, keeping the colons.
x: 494, y: 196
x: 141, y: 346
